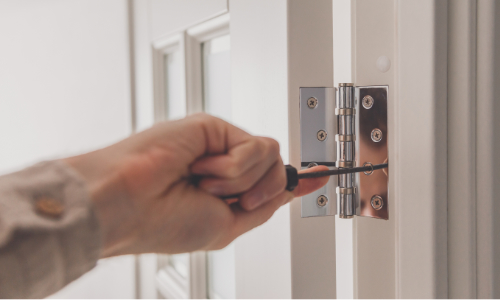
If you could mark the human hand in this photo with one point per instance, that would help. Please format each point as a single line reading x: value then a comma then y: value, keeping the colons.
x: 159, y: 190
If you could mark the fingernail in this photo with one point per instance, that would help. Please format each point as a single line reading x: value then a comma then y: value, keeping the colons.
x: 255, y: 199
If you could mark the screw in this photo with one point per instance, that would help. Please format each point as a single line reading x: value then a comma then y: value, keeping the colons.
x: 312, y: 102
x: 322, y: 200
x: 377, y: 202
x: 367, y: 101
x: 368, y: 172
x: 312, y: 164
x: 321, y: 135
x: 376, y: 135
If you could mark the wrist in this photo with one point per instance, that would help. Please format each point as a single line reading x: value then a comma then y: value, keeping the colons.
x: 107, y: 198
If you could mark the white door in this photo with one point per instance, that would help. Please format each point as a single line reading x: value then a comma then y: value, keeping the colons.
x: 438, y: 59
x: 231, y: 59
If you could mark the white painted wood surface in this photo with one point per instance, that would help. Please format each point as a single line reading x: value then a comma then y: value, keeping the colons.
x: 411, y: 249
x: 272, y: 58
x: 260, y: 100
x: 443, y: 156
x: 487, y: 149
x: 310, y: 64
x: 342, y: 72
x: 374, y: 30
x: 462, y: 30
x: 421, y: 157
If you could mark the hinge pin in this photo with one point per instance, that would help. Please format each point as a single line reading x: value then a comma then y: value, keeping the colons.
x: 346, y: 115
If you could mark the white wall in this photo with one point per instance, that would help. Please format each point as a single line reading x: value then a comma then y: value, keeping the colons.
x: 65, y: 89
x: 64, y: 82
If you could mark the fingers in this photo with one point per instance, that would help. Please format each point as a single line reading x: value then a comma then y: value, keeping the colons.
x: 239, y: 158
x: 247, y: 220
x: 253, y: 168
x: 309, y: 185
x: 244, y: 220
x: 234, y: 186
x: 269, y: 186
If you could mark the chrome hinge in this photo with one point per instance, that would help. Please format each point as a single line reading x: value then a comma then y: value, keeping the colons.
x: 343, y: 132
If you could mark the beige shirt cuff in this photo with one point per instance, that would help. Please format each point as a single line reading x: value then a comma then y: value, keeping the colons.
x: 49, y: 234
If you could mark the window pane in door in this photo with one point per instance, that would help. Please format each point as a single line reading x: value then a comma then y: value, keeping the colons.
x: 217, y: 102
x: 175, y: 102
x: 217, y: 77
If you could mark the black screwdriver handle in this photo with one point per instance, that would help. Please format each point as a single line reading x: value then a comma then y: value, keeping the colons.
x: 292, y: 178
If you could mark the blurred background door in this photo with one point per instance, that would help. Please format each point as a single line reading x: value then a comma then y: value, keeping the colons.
x: 65, y: 88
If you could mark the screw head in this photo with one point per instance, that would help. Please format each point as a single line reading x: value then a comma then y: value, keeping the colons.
x: 311, y: 164
x: 322, y: 200
x: 377, y: 202
x: 376, y: 135
x: 321, y: 135
x: 312, y: 102
x: 367, y: 101
x: 368, y: 172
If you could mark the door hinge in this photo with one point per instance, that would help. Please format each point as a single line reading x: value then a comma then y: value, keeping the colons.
x: 346, y: 128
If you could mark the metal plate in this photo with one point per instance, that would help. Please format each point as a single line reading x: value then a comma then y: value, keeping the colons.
x: 372, y: 147
x: 318, y: 115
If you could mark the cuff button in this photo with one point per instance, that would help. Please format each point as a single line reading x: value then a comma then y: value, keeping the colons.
x: 49, y: 207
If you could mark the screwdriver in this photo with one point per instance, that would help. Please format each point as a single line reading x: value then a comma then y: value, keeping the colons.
x: 293, y: 176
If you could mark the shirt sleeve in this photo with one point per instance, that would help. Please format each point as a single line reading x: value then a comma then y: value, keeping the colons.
x: 49, y: 234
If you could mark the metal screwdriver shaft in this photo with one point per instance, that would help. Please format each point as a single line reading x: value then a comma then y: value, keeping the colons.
x: 293, y: 176
x: 342, y: 171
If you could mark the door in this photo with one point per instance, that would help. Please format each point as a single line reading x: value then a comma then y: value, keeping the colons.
x: 191, y: 56
x: 438, y: 59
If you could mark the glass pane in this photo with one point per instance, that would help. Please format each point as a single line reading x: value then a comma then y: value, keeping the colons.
x: 217, y: 102
x: 180, y: 262
x: 175, y: 102
x: 217, y: 77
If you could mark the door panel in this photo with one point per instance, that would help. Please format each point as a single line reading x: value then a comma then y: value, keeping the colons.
x: 259, y: 105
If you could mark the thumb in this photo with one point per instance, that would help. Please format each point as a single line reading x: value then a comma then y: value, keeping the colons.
x: 309, y: 185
